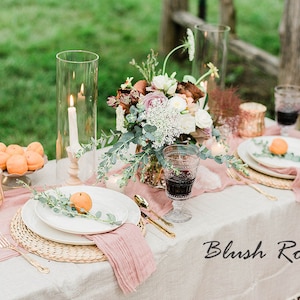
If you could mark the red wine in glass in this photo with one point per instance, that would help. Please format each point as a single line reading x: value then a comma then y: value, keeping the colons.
x: 179, y: 186
x: 287, y: 118
x: 287, y: 106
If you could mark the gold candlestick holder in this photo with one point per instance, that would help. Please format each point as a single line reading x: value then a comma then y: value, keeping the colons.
x: 73, y: 170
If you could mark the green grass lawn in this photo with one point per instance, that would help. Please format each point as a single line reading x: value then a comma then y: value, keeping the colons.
x: 32, y: 32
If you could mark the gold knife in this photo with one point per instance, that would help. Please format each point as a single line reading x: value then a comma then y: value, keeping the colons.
x: 158, y: 226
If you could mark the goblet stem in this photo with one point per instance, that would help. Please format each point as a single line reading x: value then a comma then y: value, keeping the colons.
x: 284, y: 131
x: 179, y: 214
x: 177, y: 207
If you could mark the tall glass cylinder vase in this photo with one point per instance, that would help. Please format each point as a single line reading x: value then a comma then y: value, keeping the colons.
x: 211, y: 45
x: 77, y: 92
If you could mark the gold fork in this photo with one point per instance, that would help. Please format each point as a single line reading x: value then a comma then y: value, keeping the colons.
x: 4, y: 243
x: 232, y: 174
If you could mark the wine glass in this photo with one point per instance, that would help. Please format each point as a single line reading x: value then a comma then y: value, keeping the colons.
x: 181, y: 163
x: 287, y: 106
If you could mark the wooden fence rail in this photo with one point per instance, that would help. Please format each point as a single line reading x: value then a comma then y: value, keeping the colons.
x: 175, y: 19
x: 286, y: 67
x: 262, y: 59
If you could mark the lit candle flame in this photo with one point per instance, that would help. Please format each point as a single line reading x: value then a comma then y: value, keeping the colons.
x: 82, y: 89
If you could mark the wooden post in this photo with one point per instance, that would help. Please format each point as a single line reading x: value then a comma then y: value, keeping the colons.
x: 202, y: 9
x: 228, y: 15
x: 290, y: 44
x: 171, y: 34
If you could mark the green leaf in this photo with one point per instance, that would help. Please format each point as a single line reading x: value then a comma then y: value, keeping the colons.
x: 149, y: 136
x: 189, y: 78
x: 150, y: 128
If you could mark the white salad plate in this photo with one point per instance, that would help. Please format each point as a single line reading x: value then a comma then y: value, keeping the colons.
x: 274, y: 161
x: 242, y: 151
x: 104, y: 200
x: 35, y: 224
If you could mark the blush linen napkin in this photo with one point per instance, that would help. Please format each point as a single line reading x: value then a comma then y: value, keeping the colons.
x: 129, y: 255
x: 296, y: 181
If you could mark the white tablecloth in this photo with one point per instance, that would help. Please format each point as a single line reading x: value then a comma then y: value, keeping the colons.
x: 238, y: 215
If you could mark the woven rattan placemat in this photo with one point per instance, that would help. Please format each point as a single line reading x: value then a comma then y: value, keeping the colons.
x: 279, y: 183
x: 53, y: 250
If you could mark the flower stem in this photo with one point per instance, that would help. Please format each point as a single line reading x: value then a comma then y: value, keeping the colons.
x: 203, y: 76
x: 168, y: 56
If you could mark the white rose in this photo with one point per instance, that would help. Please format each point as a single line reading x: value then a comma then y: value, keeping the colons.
x: 120, y: 118
x: 187, y: 123
x: 201, y: 102
x: 203, y: 119
x: 178, y: 103
x: 164, y: 83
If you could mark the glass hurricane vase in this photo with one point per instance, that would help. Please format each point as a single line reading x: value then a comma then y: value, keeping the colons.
x: 77, y: 92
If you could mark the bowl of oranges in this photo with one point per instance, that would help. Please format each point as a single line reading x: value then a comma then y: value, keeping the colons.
x: 17, y: 162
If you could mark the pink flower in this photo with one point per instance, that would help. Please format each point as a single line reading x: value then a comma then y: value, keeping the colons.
x: 154, y: 97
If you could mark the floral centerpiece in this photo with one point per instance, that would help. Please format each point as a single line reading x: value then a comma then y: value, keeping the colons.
x: 157, y: 111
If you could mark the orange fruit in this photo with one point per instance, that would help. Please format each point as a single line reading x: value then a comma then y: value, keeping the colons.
x: 14, y: 149
x: 81, y: 201
x: 17, y: 164
x: 3, y: 159
x: 34, y: 160
x: 278, y: 146
x: 37, y: 147
x: 2, y: 147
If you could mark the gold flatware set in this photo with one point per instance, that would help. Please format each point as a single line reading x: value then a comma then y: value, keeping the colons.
x: 143, y: 203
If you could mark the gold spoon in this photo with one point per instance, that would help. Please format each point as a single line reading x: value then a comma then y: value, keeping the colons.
x: 142, y: 202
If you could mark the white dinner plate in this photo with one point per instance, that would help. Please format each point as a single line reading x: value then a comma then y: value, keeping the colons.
x: 35, y: 224
x: 242, y: 151
x: 104, y: 200
x: 275, y: 161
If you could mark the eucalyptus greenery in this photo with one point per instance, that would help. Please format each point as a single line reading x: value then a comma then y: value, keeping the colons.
x: 60, y: 203
x: 265, y: 152
x: 139, y: 160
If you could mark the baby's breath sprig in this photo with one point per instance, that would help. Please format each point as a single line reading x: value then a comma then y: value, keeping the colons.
x: 60, y: 203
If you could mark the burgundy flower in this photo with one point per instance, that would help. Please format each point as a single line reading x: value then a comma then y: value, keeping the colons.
x: 190, y: 90
x: 124, y: 98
